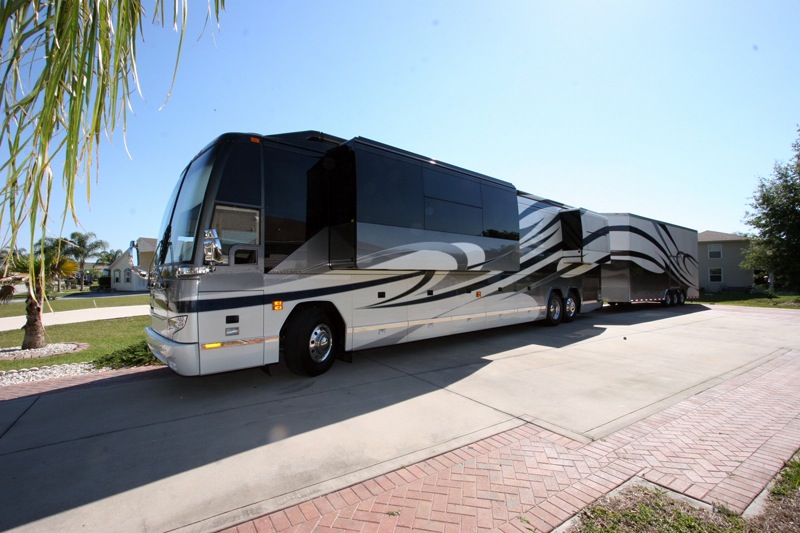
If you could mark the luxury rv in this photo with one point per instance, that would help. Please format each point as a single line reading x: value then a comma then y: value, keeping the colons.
x: 303, y: 247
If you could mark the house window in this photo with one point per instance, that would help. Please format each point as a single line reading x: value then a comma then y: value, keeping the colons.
x: 715, y: 275
x: 127, y: 275
x: 116, y: 275
x: 715, y: 251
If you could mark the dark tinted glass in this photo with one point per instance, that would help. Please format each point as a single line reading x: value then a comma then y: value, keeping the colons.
x: 500, y: 217
x: 444, y: 185
x: 286, y: 184
x: 390, y: 191
x: 452, y: 217
x: 241, y: 179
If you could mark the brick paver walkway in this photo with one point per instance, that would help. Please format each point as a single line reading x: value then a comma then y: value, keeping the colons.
x: 722, y: 446
x: 110, y: 377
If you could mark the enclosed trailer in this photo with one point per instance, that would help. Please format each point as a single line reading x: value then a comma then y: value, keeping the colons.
x: 303, y: 246
x: 651, y: 261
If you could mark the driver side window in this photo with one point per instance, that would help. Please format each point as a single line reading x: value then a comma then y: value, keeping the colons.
x: 237, y: 210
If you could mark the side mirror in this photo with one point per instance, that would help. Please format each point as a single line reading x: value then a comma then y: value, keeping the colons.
x: 133, y: 255
x: 133, y: 261
x: 212, y: 248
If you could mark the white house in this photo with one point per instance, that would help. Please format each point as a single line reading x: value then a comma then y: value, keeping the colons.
x: 122, y: 276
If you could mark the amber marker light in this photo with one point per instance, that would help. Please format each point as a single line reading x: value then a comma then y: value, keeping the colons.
x: 277, y: 305
x: 212, y: 345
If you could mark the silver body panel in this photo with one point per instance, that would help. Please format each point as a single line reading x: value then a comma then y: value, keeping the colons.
x: 236, y: 313
x: 648, y: 259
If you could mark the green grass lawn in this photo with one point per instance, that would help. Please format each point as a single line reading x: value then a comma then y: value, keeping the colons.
x: 17, y: 307
x: 103, y: 337
x: 751, y: 300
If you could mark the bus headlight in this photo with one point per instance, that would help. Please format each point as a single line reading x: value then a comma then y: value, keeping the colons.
x: 175, y: 324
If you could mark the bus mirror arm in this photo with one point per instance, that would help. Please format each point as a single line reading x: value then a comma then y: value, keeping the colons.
x: 212, y: 256
x: 212, y: 248
x: 133, y: 260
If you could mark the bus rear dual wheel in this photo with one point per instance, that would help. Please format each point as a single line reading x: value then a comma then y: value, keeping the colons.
x: 561, y: 309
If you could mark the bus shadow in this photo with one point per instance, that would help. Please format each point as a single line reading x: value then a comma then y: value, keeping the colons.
x: 94, y: 444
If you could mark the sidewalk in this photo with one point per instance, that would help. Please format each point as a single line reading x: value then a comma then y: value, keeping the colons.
x: 722, y: 446
x: 81, y: 315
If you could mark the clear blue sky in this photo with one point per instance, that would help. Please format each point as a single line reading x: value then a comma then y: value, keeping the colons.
x: 669, y: 109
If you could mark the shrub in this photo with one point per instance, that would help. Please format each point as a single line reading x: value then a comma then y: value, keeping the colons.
x: 137, y: 354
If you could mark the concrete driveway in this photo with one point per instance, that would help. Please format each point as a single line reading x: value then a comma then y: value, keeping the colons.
x: 169, y: 453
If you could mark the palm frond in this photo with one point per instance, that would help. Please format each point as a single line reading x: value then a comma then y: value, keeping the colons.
x: 66, y: 74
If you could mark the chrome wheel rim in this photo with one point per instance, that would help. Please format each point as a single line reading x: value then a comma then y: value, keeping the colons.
x: 570, y: 307
x: 555, y: 309
x: 320, y: 343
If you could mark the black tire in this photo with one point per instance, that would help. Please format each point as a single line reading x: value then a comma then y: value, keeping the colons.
x: 669, y: 299
x: 681, y: 297
x: 570, y: 307
x: 555, y: 309
x: 310, y: 343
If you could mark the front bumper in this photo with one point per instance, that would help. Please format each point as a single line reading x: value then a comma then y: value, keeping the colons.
x: 184, y: 359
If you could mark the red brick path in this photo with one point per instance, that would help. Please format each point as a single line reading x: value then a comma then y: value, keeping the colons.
x: 722, y: 446
x: 34, y: 388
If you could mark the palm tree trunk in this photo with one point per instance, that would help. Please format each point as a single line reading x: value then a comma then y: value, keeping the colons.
x: 34, y: 329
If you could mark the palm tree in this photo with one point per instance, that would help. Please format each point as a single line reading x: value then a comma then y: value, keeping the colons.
x: 107, y: 258
x: 68, y: 70
x: 83, y: 246
x: 50, y: 264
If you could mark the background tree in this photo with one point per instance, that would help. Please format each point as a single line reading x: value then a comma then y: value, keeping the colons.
x: 84, y: 246
x: 67, y: 76
x: 107, y: 258
x: 49, y: 264
x: 775, y: 216
x: 51, y: 255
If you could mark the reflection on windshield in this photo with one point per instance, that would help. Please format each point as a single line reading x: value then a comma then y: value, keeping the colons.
x: 181, y: 232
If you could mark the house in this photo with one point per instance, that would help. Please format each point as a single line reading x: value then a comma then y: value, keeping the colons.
x: 123, y: 278
x: 720, y: 255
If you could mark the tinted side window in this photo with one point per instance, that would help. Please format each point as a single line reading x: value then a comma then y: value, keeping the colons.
x: 452, y: 217
x: 389, y: 191
x: 443, y: 185
x: 500, y: 217
x: 241, y: 179
x: 286, y: 184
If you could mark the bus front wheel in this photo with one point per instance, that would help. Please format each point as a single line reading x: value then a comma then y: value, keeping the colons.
x: 310, y: 343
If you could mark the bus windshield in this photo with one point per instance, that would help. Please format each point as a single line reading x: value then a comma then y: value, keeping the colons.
x: 178, y: 232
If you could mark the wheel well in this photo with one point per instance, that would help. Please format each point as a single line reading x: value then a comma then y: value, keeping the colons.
x: 330, y: 310
x: 554, y: 291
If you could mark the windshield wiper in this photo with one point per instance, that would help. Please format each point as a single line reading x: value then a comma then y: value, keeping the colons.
x: 164, y: 245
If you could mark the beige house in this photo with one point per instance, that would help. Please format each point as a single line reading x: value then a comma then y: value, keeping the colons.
x: 720, y: 255
x: 123, y: 278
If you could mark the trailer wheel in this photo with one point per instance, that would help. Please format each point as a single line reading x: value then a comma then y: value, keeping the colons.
x: 555, y: 309
x: 669, y: 299
x: 309, y: 343
x: 681, y: 297
x: 570, y: 307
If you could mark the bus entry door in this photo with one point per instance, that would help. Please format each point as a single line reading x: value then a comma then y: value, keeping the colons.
x: 230, y: 321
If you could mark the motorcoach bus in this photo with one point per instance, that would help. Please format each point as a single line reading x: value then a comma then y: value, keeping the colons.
x: 303, y: 246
